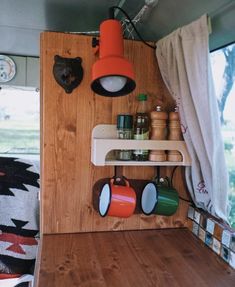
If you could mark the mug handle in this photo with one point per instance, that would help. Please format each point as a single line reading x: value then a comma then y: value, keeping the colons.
x: 166, y: 182
x: 113, y: 180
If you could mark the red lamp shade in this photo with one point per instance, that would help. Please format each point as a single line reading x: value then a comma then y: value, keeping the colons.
x: 112, y: 74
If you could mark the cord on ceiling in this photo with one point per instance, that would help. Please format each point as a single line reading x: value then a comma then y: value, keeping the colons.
x: 141, y: 16
x: 111, y: 15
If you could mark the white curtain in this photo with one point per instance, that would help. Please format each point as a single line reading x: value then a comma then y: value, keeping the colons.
x: 184, y: 62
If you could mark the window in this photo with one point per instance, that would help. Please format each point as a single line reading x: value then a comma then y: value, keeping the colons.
x: 223, y: 68
x: 19, y: 121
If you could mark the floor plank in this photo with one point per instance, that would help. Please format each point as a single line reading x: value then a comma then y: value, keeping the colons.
x: 150, y: 258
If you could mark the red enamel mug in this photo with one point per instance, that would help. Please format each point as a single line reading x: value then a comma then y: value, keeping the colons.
x: 116, y: 199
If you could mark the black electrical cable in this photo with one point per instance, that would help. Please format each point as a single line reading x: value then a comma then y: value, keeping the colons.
x: 172, y: 175
x: 184, y: 199
x: 111, y: 16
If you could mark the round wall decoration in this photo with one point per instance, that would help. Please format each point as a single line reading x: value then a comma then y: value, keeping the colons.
x: 7, y: 69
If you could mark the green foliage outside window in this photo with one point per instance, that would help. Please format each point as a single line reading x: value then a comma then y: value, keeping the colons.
x: 223, y: 66
x: 19, y: 121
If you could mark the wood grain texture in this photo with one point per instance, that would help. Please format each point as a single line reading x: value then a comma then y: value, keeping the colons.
x: 67, y: 174
x: 151, y: 258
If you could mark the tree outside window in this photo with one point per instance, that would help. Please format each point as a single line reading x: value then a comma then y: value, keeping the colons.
x: 223, y: 68
x: 19, y: 121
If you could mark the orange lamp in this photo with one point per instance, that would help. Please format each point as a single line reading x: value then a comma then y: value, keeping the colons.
x: 112, y: 74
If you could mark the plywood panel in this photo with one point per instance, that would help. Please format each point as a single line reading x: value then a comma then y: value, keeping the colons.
x: 67, y: 175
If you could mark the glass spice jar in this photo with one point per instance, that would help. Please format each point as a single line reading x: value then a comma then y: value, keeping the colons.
x: 141, y: 127
x: 124, y: 131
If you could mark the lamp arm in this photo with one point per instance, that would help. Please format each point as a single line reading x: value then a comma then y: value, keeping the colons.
x: 111, y: 16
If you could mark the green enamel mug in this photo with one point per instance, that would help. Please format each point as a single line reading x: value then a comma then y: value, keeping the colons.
x: 161, y: 200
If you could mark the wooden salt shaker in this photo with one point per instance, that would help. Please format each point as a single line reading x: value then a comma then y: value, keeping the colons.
x: 174, y: 134
x: 158, y: 132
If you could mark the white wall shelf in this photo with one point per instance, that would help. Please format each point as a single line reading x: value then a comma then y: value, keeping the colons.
x: 104, y: 140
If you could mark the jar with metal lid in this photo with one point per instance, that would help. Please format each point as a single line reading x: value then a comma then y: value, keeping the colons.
x: 124, y: 131
x: 141, y: 127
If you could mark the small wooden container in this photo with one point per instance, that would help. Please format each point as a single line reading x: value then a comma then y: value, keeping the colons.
x: 158, y: 132
x: 174, y: 134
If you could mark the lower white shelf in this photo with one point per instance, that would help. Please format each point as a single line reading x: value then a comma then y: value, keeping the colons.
x: 104, y: 140
x: 143, y: 163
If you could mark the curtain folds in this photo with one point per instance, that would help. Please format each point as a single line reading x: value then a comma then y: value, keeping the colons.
x: 184, y: 62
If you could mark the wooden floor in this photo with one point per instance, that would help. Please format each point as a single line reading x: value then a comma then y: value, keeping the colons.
x: 174, y: 258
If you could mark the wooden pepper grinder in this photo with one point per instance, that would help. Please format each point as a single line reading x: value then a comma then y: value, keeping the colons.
x: 174, y: 134
x: 158, y: 132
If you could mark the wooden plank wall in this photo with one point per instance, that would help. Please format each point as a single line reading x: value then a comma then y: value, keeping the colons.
x: 67, y: 174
